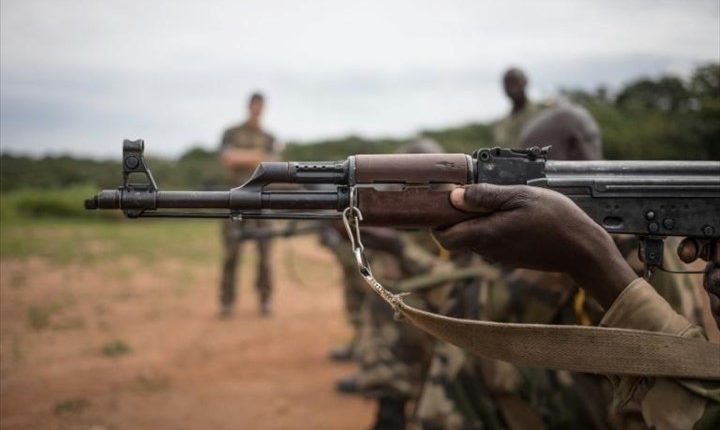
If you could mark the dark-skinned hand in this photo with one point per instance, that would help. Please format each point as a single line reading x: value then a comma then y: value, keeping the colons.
x: 535, y: 228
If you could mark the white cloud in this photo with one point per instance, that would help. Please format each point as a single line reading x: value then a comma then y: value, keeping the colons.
x: 79, y: 76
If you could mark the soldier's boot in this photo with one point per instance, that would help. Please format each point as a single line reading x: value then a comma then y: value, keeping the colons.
x: 347, y: 385
x: 342, y: 352
x: 390, y: 414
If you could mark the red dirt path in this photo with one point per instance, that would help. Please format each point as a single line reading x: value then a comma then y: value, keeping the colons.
x: 186, y: 369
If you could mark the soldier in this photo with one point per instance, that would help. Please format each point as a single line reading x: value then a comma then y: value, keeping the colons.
x: 507, y: 131
x: 464, y: 391
x: 242, y: 148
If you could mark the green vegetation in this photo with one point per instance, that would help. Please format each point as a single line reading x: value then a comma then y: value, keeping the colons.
x: 465, y: 138
x: 664, y: 118
x: 116, y: 348
x: 197, y: 168
x: 88, y: 242
x: 39, y: 317
x: 337, y: 149
x: 55, y: 203
x: 71, y: 405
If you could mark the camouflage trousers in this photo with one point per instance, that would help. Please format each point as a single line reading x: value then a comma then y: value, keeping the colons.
x: 463, y: 391
x: 392, y: 356
x: 467, y: 392
x: 354, y: 288
x: 232, y: 237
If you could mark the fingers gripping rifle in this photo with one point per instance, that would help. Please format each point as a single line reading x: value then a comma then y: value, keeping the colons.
x: 649, y: 199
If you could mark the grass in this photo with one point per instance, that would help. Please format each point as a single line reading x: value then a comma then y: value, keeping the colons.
x: 71, y: 405
x: 66, y: 241
x: 37, y: 203
x: 54, y: 226
x: 116, y: 348
x: 39, y: 316
x: 88, y: 241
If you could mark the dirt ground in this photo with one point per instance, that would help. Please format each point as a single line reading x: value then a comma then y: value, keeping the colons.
x: 113, y: 325
x: 128, y: 344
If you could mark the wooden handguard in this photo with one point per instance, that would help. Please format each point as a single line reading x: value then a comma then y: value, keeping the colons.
x: 413, y: 207
x: 419, y: 204
x: 413, y: 169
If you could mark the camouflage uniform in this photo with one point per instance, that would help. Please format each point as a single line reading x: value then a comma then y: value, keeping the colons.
x: 245, y: 136
x: 468, y: 392
x: 354, y: 288
x: 393, y: 355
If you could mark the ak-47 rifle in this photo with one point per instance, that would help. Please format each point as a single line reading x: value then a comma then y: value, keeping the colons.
x: 649, y: 199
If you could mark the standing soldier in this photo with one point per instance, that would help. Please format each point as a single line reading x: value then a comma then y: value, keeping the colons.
x: 242, y: 148
x: 506, y: 131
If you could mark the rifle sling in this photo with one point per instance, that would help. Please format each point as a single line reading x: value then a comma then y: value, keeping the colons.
x: 601, y: 350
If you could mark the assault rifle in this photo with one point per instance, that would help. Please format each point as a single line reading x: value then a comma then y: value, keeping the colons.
x: 649, y: 199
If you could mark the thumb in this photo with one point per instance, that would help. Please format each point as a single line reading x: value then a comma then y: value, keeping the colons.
x: 487, y: 198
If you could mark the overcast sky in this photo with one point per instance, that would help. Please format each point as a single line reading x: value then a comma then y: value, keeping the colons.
x: 79, y: 76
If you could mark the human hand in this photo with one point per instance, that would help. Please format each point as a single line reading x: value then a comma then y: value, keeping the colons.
x: 535, y: 228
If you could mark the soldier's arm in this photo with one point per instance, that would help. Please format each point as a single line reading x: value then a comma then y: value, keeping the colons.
x: 241, y: 158
x: 234, y: 157
x: 535, y: 228
x: 664, y: 402
x: 541, y: 229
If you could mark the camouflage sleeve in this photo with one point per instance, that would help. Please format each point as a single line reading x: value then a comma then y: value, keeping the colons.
x: 665, y: 403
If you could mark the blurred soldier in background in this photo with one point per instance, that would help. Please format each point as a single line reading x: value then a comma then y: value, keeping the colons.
x: 242, y: 148
x: 507, y: 130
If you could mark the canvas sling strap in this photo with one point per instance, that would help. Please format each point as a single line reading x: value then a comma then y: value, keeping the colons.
x: 600, y: 350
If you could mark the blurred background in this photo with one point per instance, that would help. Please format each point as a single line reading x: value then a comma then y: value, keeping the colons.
x: 108, y: 323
